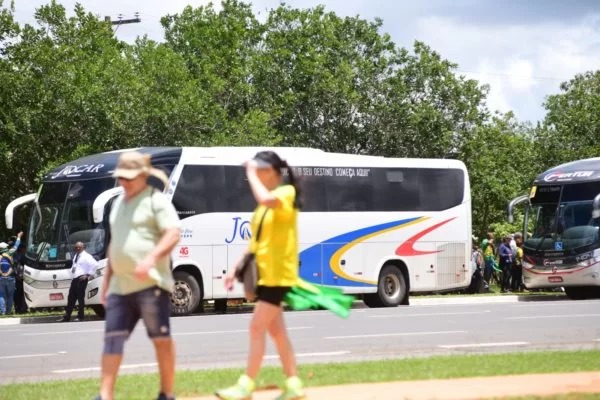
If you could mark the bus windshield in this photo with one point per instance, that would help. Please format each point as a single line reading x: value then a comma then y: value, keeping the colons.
x: 567, y: 222
x: 62, y: 216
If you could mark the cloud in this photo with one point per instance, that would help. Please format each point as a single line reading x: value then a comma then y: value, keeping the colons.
x: 522, y: 63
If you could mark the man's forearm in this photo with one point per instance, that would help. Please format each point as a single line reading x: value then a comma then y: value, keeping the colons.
x: 166, y: 244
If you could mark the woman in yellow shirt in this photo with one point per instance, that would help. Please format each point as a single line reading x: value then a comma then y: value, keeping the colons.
x: 276, y: 255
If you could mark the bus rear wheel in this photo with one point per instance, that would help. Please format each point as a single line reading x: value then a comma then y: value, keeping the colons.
x: 187, y: 294
x: 391, y: 289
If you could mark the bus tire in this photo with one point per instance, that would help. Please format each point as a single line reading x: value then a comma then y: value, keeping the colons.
x: 99, y: 310
x: 391, y: 289
x: 372, y: 300
x: 187, y: 294
x: 578, y: 292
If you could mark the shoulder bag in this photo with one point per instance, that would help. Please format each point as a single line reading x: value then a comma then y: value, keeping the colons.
x: 246, y: 270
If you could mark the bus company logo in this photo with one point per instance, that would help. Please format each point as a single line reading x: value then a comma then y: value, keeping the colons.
x: 567, y: 176
x: 584, y: 256
x: 54, y: 284
x: 241, y: 229
x: 77, y: 170
x: 552, y: 262
x: 184, y: 251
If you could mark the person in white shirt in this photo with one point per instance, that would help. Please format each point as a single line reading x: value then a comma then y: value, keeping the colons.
x: 83, y: 269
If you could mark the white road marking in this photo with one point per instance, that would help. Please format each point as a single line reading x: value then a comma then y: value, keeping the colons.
x: 231, y: 331
x: 62, y: 332
x: 330, y: 353
x: 556, y: 316
x: 394, y: 334
x: 32, y: 355
x: 91, y: 369
x: 428, y: 315
x: 497, y: 344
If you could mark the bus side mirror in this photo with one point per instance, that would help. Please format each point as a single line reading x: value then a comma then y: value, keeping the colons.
x: 511, y: 206
x: 596, y: 207
x: 10, y: 208
x: 101, y: 200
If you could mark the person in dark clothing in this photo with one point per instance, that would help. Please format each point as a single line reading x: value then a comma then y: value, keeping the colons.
x: 506, y: 263
x: 19, y: 267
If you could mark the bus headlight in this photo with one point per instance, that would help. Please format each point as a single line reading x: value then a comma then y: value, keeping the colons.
x: 527, y: 265
x: 588, y: 262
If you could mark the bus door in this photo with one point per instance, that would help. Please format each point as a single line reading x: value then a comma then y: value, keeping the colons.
x: 220, y: 262
x: 234, y: 253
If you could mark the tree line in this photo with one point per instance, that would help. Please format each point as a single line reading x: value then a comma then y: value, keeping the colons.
x: 299, y: 77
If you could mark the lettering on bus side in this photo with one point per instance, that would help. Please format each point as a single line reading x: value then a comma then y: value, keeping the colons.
x: 347, y: 172
x: 241, y: 229
x: 76, y: 170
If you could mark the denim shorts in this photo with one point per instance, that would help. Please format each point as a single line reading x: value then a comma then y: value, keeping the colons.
x: 152, y: 305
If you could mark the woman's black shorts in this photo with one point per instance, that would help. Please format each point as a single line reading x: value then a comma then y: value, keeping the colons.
x: 271, y: 294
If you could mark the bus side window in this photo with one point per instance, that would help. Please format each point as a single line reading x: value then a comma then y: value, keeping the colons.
x: 237, y: 193
x: 314, y: 195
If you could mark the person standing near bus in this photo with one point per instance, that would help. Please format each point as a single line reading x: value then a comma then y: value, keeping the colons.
x: 505, y: 255
x: 144, y: 229
x: 276, y: 255
x: 7, y: 274
x: 517, y: 271
x: 83, y: 269
x: 489, y: 256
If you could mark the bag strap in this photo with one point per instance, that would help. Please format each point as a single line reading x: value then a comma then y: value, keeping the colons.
x: 259, y: 230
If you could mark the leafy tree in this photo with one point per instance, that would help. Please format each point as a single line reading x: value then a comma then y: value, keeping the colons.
x: 571, y: 128
x: 218, y: 49
x: 498, y: 158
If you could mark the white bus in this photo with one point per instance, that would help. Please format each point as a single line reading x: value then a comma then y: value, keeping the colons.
x: 564, y: 247
x: 373, y: 226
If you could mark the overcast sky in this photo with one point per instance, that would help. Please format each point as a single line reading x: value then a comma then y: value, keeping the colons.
x: 523, y: 49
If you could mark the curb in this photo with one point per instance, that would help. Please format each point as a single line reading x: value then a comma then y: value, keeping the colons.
x: 414, y: 301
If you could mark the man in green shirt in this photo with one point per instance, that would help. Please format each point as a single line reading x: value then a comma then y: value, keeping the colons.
x: 144, y: 229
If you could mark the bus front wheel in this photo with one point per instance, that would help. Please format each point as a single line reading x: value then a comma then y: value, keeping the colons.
x: 99, y: 310
x: 187, y: 295
x: 391, y: 289
x: 580, y: 292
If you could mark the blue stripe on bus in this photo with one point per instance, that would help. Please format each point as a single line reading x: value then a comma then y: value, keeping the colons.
x: 314, y: 261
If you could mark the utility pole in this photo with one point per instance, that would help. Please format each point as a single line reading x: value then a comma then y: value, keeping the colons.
x: 121, y: 21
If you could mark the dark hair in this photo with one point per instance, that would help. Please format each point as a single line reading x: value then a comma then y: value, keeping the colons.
x: 279, y: 165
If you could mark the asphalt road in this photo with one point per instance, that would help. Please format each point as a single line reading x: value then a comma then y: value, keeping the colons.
x: 45, y: 351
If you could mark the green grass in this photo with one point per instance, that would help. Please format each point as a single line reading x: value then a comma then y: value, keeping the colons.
x: 191, y: 383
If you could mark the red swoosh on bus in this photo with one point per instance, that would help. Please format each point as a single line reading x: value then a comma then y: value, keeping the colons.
x: 407, y: 249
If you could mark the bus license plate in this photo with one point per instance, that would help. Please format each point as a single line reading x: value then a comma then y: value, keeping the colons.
x: 56, y: 296
x: 555, y: 279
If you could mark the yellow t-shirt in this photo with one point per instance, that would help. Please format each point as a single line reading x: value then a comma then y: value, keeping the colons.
x: 277, y: 248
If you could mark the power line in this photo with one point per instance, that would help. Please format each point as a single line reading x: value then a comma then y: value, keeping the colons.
x: 120, y: 21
